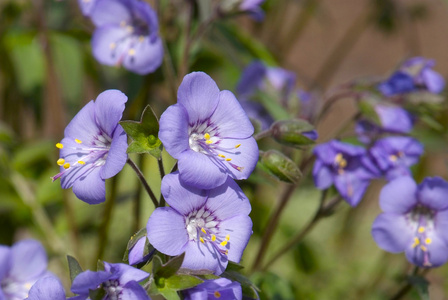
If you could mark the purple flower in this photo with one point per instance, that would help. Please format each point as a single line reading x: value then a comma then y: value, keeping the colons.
x: 137, y: 252
x: 214, y: 289
x: 126, y: 34
x: 211, y: 227
x: 394, y: 155
x: 86, y: 6
x: 209, y: 134
x: 308, y: 104
x: 20, y: 267
x: 414, y: 74
x: 346, y: 166
x: 258, y: 77
x: 47, y: 288
x: 253, y: 7
x: 94, y: 147
x: 415, y: 220
x: 392, y: 119
x: 256, y: 112
x: 119, y: 281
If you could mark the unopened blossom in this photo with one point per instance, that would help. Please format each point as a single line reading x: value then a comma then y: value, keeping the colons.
x: 86, y: 6
x: 414, y: 74
x: 137, y: 252
x: 210, y: 226
x: 126, y: 34
x: 221, y: 288
x: 346, y: 166
x: 414, y: 220
x: 94, y: 147
x: 209, y: 134
x: 20, y: 267
x: 47, y: 288
x: 392, y: 119
x: 119, y: 281
x: 395, y: 154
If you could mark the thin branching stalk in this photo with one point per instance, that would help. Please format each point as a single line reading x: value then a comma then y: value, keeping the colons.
x: 142, y: 179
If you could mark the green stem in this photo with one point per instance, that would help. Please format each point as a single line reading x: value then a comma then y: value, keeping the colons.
x: 408, y: 286
x: 138, y: 198
x: 107, y: 217
x: 143, y: 181
x: 322, y: 211
x: 183, y: 67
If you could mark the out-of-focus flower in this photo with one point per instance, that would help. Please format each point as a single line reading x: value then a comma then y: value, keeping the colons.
x: 392, y: 119
x: 209, y: 134
x: 211, y: 227
x: 86, y: 6
x: 47, y: 288
x: 394, y: 155
x: 221, y: 288
x: 415, y: 220
x: 414, y: 74
x: 119, y: 281
x: 346, y: 166
x: 253, y: 8
x: 94, y: 147
x: 20, y: 267
x: 126, y: 34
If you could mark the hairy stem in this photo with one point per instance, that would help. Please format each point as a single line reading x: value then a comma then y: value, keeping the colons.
x: 143, y: 181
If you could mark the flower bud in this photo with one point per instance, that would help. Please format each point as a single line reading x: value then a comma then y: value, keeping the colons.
x: 280, y: 166
x: 294, y: 133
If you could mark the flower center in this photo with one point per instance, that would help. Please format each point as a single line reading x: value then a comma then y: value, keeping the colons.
x: 205, y: 139
x: 93, y: 155
x: 113, y: 289
x: 421, y: 218
x: 202, y: 226
x: 340, y: 163
x: 15, y: 290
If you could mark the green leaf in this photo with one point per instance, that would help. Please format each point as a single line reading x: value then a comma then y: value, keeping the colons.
x: 74, y: 267
x: 280, y: 166
x: 171, y: 267
x: 97, y: 294
x: 182, y: 282
x: 156, y: 264
x: 169, y: 294
x: 100, y: 265
x: 421, y: 285
x: 249, y: 289
x: 275, y: 109
x: 144, y: 134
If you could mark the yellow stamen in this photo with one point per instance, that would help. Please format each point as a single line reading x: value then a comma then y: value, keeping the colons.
x: 228, y: 159
x: 123, y: 23
x: 428, y: 241
x: 424, y: 249
x: 130, y: 29
x: 343, y: 163
x: 222, y: 156
x: 61, y: 162
x: 237, y: 146
x: 228, y: 237
x: 239, y: 168
x: 66, y: 165
x: 59, y: 145
x: 223, y: 243
x: 416, y: 242
x: 227, y: 252
x: 217, y: 294
x: 131, y: 52
x: 338, y: 158
x: 207, y: 136
x: 78, y: 141
x: 393, y: 158
x: 213, y: 237
x: 202, y: 240
x: 209, y: 142
x: 81, y: 162
x: 112, y: 46
x: 141, y: 38
x: 421, y: 229
x: 203, y: 230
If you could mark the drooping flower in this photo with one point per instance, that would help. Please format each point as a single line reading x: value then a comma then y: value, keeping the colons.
x: 221, y: 288
x: 20, y: 267
x: 86, y: 6
x: 119, y: 281
x: 209, y: 134
x: 126, y: 34
x: 414, y: 74
x: 94, y: 147
x: 395, y: 154
x: 210, y: 226
x: 47, y: 288
x: 392, y: 119
x: 414, y: 220
x: 346, y: 166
